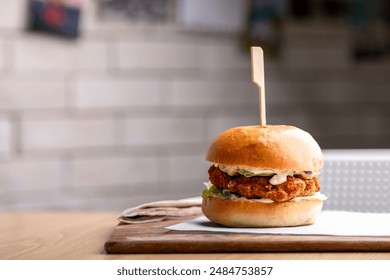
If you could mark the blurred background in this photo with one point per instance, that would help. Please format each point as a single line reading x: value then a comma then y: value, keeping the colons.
x: 107, y: 104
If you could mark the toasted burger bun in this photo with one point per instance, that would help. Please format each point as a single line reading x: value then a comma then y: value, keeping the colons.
x: 277, y: 147
x: 252, y: 213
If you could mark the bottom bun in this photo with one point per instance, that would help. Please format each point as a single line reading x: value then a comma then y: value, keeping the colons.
x: 252, y: 213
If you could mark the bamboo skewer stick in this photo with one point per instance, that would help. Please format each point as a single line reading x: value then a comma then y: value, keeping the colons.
x: 257, y: 58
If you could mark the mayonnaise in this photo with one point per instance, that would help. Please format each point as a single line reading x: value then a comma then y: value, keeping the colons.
x: 278, y: 176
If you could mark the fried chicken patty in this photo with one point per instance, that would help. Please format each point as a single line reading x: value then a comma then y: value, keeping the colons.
x: 260, y: 187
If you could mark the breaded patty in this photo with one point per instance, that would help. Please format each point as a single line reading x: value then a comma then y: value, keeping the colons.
x: 260, y: 187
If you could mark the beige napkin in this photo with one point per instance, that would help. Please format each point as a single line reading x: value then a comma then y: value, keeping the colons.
x: 162, y: 210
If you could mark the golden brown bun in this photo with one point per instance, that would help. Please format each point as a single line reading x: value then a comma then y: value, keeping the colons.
x: 252, y: 213
x: 278, y: 147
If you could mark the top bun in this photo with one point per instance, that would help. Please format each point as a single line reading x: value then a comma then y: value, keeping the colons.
x: 277, y: 147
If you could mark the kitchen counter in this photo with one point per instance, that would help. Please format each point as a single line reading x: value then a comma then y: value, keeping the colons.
x: 81, y: 235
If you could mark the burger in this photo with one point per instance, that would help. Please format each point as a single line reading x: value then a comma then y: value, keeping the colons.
x: 263, y: 176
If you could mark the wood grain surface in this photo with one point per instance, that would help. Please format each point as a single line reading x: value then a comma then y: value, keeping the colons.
x: 155, y: 238
x: 82, y: 235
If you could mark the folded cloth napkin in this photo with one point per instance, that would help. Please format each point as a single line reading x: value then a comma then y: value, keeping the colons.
x: 162, y: 210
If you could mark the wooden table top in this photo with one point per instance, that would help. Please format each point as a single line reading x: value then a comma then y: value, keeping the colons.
x: 81, y: 235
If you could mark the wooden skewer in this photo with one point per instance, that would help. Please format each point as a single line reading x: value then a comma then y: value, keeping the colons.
x: 257, y: 57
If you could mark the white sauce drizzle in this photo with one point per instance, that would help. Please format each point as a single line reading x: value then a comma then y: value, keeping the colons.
x: 278, y: 176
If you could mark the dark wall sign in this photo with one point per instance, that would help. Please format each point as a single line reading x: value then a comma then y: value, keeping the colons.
x: 57, y: 17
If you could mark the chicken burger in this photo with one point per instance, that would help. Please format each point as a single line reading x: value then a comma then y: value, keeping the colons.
x: 263, y: 176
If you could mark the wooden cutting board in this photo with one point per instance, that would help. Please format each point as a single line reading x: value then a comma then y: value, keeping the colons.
x: 155, y: 238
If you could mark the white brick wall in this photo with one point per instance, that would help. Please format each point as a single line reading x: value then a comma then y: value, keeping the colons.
x: 164, y: 130
x: 127, y: 110
x: 113, y: 171
x: 114, y: 92
x: 31, y: 94
x: 47, y: 53
x: 11, y: 14
x: 3, y: 59
x: 24, y: 174
x: 184, y: 168
x: 316, y: 58
x: 145, y: 55
x: 225, y: 56
x: 5, y: 137
x: 212, y: 93
x: 67, y: 134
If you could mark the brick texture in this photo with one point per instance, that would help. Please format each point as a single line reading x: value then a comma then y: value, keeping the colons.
x: 23, y: 174
x: 160, y: 56
x: 113, y: 171
x: 167, y: 130
x: 67, y: 134
x: 5, y: 137
x: 98, y: 93
x: 31, y: 94
x: 41, y: 53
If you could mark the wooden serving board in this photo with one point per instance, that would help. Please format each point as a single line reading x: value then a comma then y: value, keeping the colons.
x: 155, y: 238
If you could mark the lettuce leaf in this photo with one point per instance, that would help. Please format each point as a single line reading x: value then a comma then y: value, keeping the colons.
x: 248, y: 173
x: 214, y: 191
